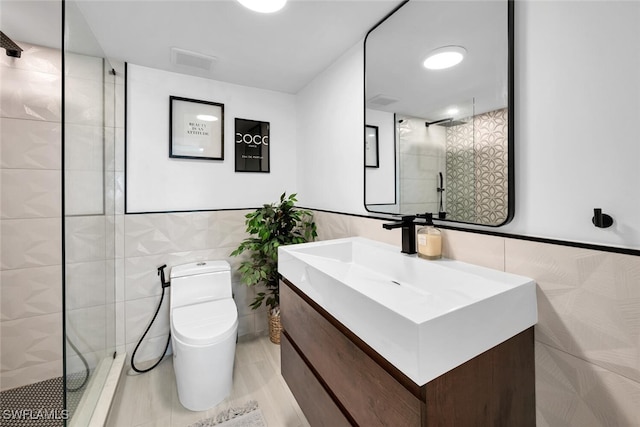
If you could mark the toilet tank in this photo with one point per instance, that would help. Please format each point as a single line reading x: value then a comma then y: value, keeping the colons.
x: 200, y: 281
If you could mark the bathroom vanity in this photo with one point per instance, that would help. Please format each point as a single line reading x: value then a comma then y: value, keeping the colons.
x: 372, y: 337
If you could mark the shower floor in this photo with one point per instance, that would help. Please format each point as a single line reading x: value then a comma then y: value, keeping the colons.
x: 39, y: 404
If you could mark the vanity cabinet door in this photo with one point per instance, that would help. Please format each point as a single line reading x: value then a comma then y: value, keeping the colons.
x: 495, y: 388
x: 316, y: 403
x: 361, y: 387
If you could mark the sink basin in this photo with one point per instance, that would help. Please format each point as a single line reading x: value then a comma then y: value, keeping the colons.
x: 424, y: 317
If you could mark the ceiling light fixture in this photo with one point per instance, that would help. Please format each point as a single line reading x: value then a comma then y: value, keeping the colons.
x: 444, y: 57
x: 263, y: 6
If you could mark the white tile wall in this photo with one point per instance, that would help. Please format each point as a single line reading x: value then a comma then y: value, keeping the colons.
x: 588, y: 302
x: 422, y: 154
x: 35, y: 58
x: 30, y: 341
x: 86, y: 284
x: 30, y: 292
x: 30, y: 223
x: 30, y: 214
x: 86, y: 238
x: 573, y: 392
x: 32, y: 374
x: 152, y: 240
x: 30, y: 95
x: 30, y: 242
x: 30, y: 193
x: 29, y: 144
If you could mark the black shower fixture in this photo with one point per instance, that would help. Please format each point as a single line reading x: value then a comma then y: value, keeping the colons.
x: 12, y: 48
x: 438, y: 122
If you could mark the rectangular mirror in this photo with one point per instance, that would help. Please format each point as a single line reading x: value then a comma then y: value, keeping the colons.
x: 445, y: 137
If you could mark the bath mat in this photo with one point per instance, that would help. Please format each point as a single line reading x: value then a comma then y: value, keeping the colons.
x: 248, y: 415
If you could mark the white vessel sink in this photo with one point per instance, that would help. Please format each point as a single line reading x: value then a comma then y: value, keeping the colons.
x: 425, y: 317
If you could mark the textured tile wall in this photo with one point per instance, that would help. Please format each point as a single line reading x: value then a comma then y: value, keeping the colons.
x: 152, y: 240
x: 588, y: 333
x: 30, y: 212
x: 30, y: 223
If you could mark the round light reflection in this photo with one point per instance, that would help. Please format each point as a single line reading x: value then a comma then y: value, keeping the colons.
x: 206, y: 118
x: 263, y: 6
x: 444, y: 57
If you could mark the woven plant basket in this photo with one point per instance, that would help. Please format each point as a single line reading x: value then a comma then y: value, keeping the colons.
x: 275, y: 327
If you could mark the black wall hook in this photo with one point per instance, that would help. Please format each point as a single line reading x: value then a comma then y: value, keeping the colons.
x: 601, y: 220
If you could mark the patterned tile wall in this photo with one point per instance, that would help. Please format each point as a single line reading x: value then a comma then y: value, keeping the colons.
x: 476, y: 162
x: 461, y: 179
x: 491, y: 134
x: 587, y: 344
x: 30, y: 222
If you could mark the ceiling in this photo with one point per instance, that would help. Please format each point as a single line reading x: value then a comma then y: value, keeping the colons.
x: 282, y: 51
x: 396, y: 49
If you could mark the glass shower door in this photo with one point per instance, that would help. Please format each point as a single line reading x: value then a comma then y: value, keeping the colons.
x: 89, y: 217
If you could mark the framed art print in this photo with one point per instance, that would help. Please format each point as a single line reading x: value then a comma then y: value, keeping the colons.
x: 252, y: 146
x: 196, y: 129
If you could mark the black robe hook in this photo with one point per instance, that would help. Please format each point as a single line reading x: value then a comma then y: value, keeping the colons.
x: 601, y: 220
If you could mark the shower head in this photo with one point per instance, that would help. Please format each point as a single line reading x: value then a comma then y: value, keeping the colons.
x: 12, y: 49
x: 448, y: 122
x: 452, y: 123
x: 439, y: 122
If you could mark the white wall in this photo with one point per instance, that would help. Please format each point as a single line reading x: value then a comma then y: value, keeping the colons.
x: 577, y: 114
x: 330, y: 137
x: 577, y: 109
x: 157, y: 183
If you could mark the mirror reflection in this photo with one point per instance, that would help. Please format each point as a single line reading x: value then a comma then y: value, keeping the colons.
x: 437, y: 78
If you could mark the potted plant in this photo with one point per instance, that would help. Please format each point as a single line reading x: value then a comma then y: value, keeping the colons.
x: 269, y: 227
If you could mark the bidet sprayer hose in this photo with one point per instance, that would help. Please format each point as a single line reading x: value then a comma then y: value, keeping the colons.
x: 133, y: 366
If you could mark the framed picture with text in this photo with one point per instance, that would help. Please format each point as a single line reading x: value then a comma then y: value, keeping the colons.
x: 196, y: 129
x: 252, y: 146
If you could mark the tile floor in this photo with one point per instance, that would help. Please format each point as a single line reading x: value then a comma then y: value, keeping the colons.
x: 151, y: 399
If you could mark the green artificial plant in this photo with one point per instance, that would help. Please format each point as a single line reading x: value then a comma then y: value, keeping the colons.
x: 269, y: 227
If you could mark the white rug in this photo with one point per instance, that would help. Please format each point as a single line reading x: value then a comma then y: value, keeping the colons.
x: 248, y: 415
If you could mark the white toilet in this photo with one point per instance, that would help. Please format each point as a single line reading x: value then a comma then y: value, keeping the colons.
x: 204, y: 326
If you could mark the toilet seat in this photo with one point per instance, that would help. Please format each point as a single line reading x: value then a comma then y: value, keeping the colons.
x: 205, y: 323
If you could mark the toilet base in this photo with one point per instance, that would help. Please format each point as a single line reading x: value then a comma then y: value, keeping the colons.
x: 204, y: 374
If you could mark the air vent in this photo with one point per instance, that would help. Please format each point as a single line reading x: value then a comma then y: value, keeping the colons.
x: 382, y: 100
x: 189, y: 59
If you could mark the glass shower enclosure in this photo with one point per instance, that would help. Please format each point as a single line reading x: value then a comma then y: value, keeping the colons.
x: 90, y: 130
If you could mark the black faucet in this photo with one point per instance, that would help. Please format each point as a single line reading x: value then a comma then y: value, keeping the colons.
x: 408, y: 233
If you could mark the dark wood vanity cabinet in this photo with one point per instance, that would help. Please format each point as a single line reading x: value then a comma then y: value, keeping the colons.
x: 338, y: 380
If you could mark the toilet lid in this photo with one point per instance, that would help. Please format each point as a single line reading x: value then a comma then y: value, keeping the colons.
x: 205, y: 323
